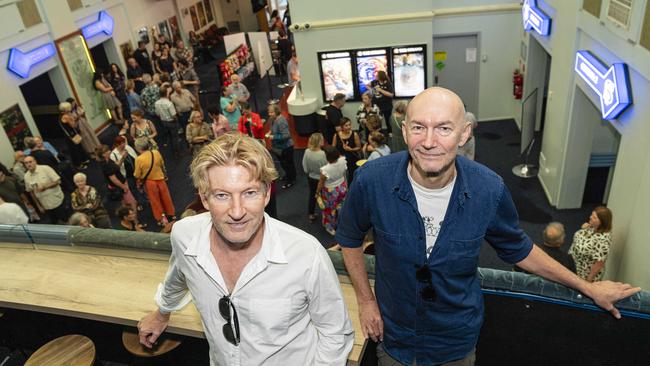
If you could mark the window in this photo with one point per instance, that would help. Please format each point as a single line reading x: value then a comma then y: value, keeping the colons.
x: 619, y: 11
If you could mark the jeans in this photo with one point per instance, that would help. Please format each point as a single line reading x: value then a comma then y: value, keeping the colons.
x: 384, y: 359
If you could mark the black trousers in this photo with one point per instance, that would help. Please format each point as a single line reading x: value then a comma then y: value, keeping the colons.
x: 387, y: 113
x: 313, y: 184
x: 286, y: 162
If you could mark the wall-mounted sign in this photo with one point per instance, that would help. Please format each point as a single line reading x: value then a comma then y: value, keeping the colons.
x: 104, y: 24
x: 21, y: 63
x: 612, y: 84
x: 534, y: 18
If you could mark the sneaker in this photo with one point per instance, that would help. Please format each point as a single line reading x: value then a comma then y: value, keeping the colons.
x: 331, y: 231
x: 287, y: 185
x: 312, y: 218
x: 180, y: 131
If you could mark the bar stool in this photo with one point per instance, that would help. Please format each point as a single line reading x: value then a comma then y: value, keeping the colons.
x: 131, y: 342
x: 70, y: 350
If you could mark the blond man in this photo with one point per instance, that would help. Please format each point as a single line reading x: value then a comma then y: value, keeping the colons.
x: 266, y: 291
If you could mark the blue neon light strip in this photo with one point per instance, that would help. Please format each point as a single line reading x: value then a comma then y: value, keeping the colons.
x: 534, y: 18
x: 611, y: 84
x: 104, y: 24
x: 20, y: 63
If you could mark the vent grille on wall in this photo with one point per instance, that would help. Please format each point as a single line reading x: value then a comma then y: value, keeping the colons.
x: 619, y: 12
x: 593, y: 7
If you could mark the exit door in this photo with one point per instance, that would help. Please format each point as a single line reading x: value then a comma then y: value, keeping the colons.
x: 456, y: 67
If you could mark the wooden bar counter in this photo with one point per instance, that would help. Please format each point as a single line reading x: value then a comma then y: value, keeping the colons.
x: 108, y: 285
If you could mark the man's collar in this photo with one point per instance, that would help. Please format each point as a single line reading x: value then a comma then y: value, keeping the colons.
x: 402, y: 186
x: 271, y: 250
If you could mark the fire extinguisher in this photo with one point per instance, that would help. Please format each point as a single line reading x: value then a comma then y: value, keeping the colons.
x: 517, y: 84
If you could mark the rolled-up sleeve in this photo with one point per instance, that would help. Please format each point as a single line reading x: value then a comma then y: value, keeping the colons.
x: 329, y: 313
x: 354, y: 219
x: 504, y: 234
x: 173, y: 294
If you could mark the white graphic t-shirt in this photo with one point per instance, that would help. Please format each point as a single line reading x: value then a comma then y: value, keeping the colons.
x: 432, y: 205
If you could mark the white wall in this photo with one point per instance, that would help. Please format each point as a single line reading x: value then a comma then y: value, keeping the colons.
x: 497, y: 41
x: 629, y: 196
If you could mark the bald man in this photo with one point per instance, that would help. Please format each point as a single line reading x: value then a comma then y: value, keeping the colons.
x: 431, y: 211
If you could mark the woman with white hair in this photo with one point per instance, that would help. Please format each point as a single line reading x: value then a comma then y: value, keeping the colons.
x: 86, y: 199
x: 79, y: 219
x: 70, y: 127
x: 198, y: 132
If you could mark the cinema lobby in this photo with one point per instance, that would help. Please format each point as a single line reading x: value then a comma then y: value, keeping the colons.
x: 301, y: 182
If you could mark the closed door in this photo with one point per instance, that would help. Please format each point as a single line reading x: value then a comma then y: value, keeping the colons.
x: 455, y: 67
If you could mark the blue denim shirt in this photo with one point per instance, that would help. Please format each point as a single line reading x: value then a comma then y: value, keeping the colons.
x: 480, y: 209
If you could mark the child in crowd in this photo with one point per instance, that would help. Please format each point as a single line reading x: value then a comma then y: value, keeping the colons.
x: 378, y: 142
x: 332, y: 188
x: 312, y: 161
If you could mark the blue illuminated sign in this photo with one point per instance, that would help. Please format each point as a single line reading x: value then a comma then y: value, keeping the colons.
x: 104, y: 24
x: 612, y: 84
x: 534, y: 18
x: 21, y: 63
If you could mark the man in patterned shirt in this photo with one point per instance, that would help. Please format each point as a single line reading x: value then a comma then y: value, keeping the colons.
x: 150, y: 95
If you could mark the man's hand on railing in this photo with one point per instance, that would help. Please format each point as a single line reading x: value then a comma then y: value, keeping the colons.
x: 606, y: 293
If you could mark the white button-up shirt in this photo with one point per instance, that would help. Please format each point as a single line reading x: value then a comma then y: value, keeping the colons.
x: 288, y: 298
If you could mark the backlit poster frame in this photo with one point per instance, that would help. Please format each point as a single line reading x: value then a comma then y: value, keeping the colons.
x: 401, y: 75
x: 364, y: 72
x: 332, y: 65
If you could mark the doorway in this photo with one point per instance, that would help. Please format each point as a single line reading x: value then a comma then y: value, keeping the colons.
x: 456, y: 67
x: 591, y: 154
x: 43, y: 103
x: 100, y: 58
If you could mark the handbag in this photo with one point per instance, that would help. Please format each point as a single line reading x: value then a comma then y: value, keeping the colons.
x: 76, y: 139
x: 319, y: 201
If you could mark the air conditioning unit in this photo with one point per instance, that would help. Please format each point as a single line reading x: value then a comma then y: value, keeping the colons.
x: 619, y: 12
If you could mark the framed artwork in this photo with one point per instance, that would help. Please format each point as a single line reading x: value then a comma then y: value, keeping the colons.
x: 195, y: 18
x: 174, y: 29
x: 186, y: 12
x: 201, y: 11
x: 15, y: 126
x: 143, y: 35
x: 79, y: 69
x: 127, y: 50
x: 163, y: 29
x: 208, y: 10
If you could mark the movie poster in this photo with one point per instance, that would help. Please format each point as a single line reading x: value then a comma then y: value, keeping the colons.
x: 336, y: 74
x: 15, y: 126
x: 409, y: 70
x: 370, y: 62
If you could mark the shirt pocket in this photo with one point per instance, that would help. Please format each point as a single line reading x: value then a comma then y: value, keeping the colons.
x: 270, y: 319
x: 463, y: 256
